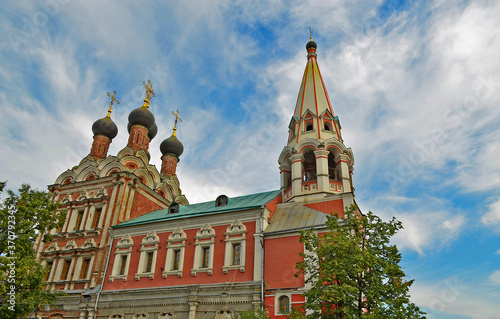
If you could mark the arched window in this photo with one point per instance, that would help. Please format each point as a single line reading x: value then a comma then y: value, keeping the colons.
x: 309, y: 126
x: 173, y: 208
x: 309, y: 172
x: 333, y: 170
x: 284, y: 305
x: 222, y: 200
x: 328, y: 126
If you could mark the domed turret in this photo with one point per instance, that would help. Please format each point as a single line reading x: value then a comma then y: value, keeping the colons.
x: 171, y: 145
x: 311, y: 44
x: 171, y: 149
x: 152, y: 132
x: 106, y: 127
x: 141, y: 116
x: 141, y: 123
x: 104, y: 131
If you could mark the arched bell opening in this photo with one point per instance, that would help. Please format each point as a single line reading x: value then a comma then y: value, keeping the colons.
x: 309, y: 172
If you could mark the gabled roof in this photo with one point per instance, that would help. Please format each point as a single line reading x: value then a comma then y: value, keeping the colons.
x: 206, y: 208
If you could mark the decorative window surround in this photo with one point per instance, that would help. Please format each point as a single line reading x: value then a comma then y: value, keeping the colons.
x: 205, y: 238
x: 149, y: 245
x: 175, y: 242
x: 235, y: 235
x: 286, y: 298
x: 123, y: 248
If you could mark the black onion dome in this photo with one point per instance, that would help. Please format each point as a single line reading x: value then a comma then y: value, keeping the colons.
x: 311, y: 44
x: 152, y: 131
x: 106, y: 127
x: 141, y: 116
x: 172, y: 145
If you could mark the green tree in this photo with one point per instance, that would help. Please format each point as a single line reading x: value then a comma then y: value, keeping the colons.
x: 23, y: 216
x: 253, y: 314
x: 354, y: 271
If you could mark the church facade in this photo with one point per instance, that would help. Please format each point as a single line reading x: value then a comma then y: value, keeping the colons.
x: 133, y: 247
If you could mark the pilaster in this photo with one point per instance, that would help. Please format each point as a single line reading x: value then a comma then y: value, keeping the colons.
x: 322, y: 170
x: 296, y: 174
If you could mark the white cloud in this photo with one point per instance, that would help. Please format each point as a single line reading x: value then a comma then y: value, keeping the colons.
x: 455, y: 296
x: 495, y: 277
x: 492, y: 217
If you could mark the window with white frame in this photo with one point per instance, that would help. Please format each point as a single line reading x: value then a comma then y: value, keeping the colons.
x: 147, y: 260
x: 174, y: 262
x: 234, y: 256
x: 122, y: 258
x: 283, y: 302
x: 84, y: 264
x: 204, y: 250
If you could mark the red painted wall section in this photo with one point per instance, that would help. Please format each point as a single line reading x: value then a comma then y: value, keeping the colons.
x: 142, y: 205
x: 187, y: 278
x: 279, y: 268
x: 335, y: 206
x: 272, y: 204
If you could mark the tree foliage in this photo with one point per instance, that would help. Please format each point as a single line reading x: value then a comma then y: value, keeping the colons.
x: 253, y: 314
x: 354, y: 271
x: 23, y: 216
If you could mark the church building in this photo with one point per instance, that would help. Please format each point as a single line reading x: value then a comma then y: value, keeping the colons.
x: 132, y: 246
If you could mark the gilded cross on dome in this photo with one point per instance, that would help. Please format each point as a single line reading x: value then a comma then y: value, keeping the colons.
x: 149, y: 92
x: 310, y: 34
x: 112, y: 101
x: 176, y: 118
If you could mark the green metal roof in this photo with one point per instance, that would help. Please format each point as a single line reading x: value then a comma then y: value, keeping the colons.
x: 206, y: 208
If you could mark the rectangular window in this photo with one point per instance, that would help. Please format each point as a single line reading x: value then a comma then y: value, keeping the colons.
x: 123, y: 264
x: 64, y: 272
x: 97, y: 217
x: 79, y: 219
x: 149, y: 262
x: 236, y: 254
x: 176, y: 259
x: 205, y: 257
x: 85, y: 268
x: 49, y: 265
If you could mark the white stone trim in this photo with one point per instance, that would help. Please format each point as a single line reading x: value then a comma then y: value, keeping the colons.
x: 149, y: 245
x: 176, y: 241
x: 205, y: 238
x: 235, y: 234
x: 123, y: 248
x: 277, y: 297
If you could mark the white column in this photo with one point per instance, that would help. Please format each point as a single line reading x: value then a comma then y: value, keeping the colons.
x: 346, y: 181
x: 322, y: 170
x: 296, y: 174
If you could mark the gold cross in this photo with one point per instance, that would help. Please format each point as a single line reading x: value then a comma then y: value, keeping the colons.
x: 176, y: 118
x: 112, y: 101
x: 149, y: 92
x: 310, y: 34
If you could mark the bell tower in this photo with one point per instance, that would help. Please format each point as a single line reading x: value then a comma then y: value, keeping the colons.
x: 315, y: 162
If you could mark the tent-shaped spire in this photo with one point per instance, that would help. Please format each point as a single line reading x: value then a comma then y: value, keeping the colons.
x: 313, y: 116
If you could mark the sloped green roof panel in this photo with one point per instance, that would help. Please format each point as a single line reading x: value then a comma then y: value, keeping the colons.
x: 206, y: 208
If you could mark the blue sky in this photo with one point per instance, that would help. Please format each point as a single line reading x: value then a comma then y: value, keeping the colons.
x: 415, y: 84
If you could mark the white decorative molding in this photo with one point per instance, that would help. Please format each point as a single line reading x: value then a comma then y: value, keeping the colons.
x: 90, y: 243
x: 150, y: 239
x: 205, y: 239
x: 125, y: 242
x: 235, y: 243
x: 53, y: 247
x: 70, y: 245
x: 175, y: 242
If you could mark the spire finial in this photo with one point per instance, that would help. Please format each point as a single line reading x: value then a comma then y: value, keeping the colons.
x: 176, y: 118
x: 112, y: 101
x: 310, y: 34
x: 149, y: 92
